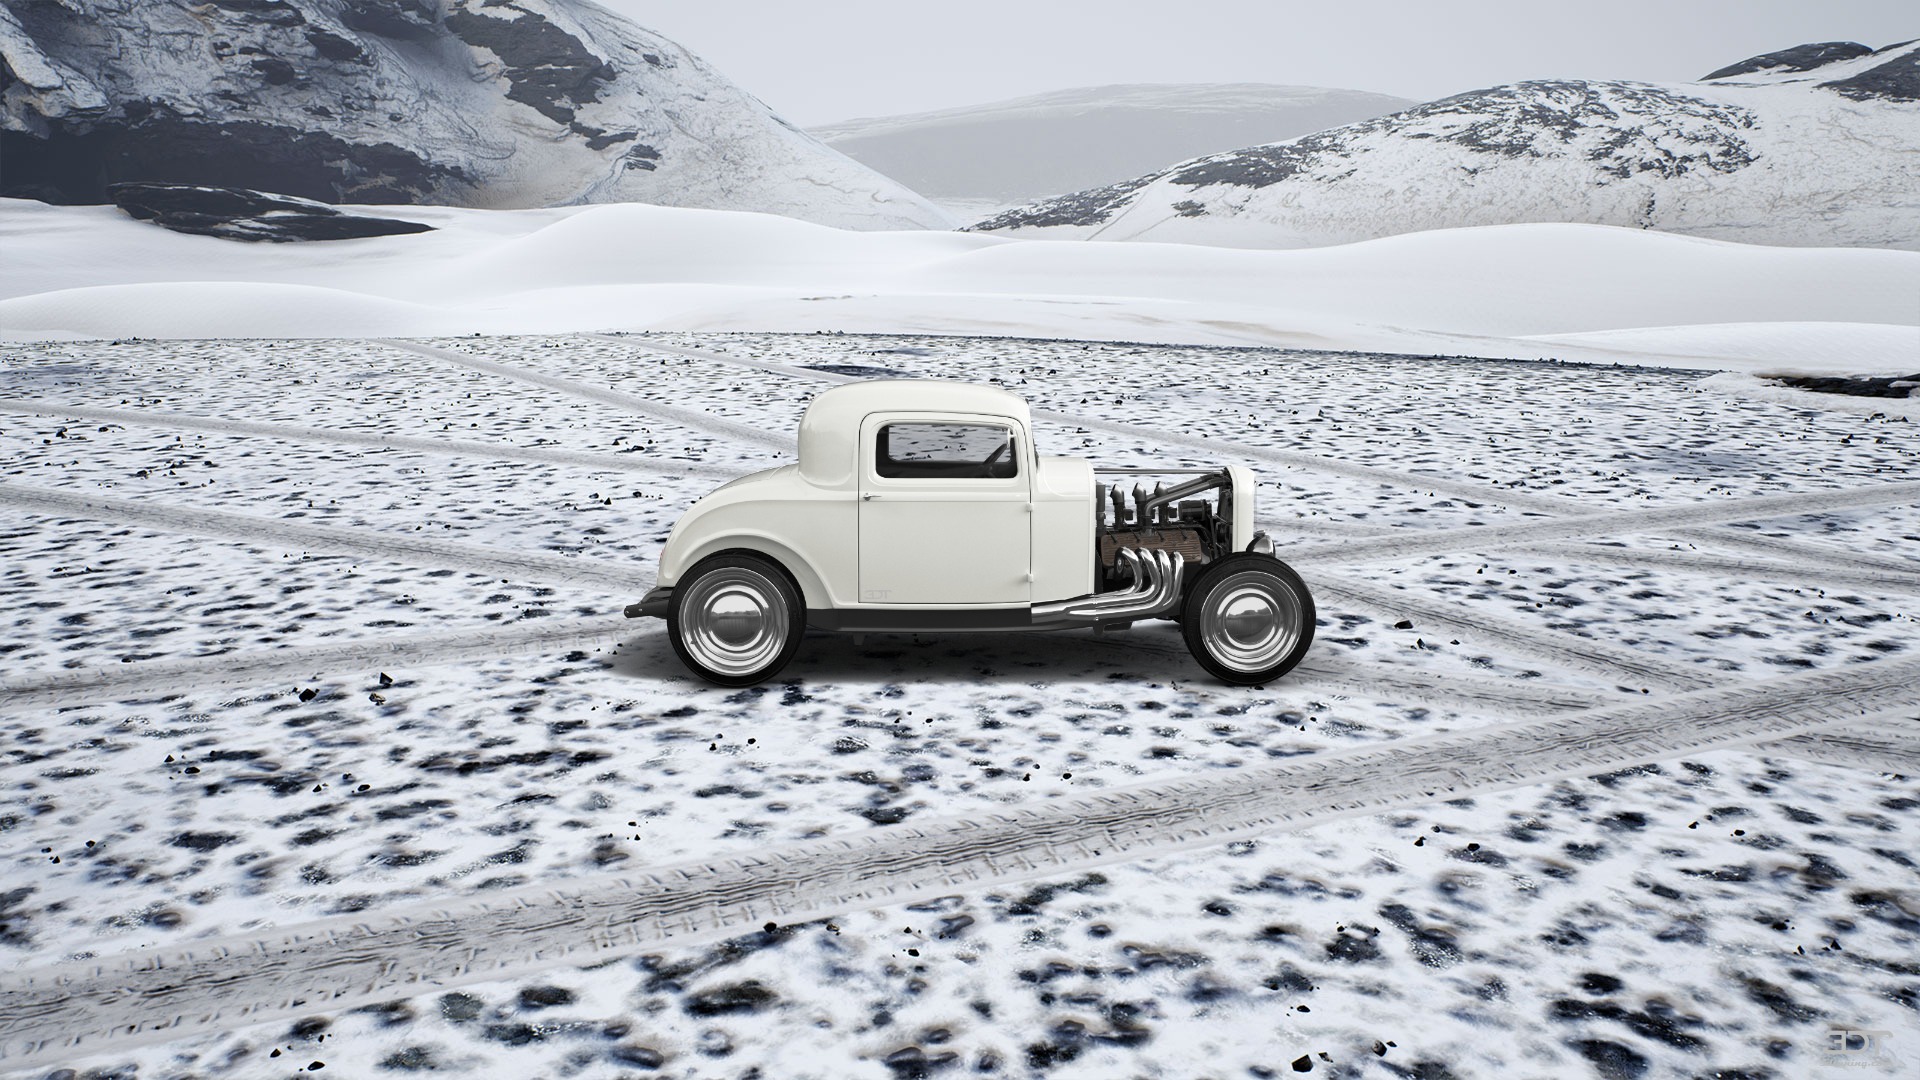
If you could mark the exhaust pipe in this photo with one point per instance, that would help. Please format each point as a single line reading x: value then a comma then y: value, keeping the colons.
x: 1155, y: 592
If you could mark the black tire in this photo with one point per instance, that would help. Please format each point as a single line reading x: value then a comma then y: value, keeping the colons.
x: 1248, y: 619
x: 736, y: 619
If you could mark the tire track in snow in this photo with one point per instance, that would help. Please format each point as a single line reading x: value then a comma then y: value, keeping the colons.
x: 160, y: 994
x: 1483, y: 493
x: 1734, y: 567
x: 1791, y: 551
x: 1335, y: 674
x: 367, y: 543
x: 452, y: 447
x: 1406, y: 543
x: 1882, y: 748
x: 1501, y: 697
x: 1633, y: 668
x: 252, y: 668
x: 688, y: 418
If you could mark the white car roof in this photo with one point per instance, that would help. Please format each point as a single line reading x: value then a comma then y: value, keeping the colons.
x: 830, y: 428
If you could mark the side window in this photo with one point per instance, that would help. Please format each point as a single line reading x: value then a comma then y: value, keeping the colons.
x: 922, y: 450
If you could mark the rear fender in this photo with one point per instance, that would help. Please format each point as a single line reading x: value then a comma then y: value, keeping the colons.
x: 812, y: 589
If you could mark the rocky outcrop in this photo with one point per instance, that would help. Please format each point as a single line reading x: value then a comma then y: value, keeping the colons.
x: 1798, y: 58
x: 1896, y: 80
x: 1815, y: 145
x: 488, y: 103
x: 239, y: 214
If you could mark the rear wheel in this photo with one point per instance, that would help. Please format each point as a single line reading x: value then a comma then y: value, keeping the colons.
x: 736, y: 619
x: 1248, y: 619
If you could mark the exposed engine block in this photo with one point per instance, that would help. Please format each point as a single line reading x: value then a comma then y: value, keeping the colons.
x: 1188, y: 543
x: 1196, y: 530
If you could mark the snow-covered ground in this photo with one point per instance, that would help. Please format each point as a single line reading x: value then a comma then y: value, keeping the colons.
x: 300, y: 629
x: 1572, y: 292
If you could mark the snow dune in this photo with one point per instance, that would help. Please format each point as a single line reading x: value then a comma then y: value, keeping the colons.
x: 1572, y: 291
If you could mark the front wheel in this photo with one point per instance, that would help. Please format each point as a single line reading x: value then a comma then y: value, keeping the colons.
x: 1248, y: 619
x: 736, y: 619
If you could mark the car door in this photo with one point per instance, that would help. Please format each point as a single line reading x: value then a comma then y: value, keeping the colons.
x: 945, y: 510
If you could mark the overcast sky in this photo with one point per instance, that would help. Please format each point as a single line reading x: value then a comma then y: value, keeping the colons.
x: 828, y: 60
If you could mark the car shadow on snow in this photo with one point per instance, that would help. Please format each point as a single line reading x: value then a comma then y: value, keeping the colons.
x: 1149, y: 652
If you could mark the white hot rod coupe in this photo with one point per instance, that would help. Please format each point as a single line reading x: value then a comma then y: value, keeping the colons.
x: 921, y: 505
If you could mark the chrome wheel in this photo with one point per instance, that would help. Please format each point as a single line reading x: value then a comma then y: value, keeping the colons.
x: 1248, y: 623
x: 735, y: 622
x: 1249, y: 619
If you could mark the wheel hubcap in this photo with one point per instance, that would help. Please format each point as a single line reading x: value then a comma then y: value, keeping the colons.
x: 733, y: 621
x: 1250, y: 621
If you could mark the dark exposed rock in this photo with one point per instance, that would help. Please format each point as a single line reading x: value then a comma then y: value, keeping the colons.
x: 639, y: 1057
x: 12, y: 906
x: 545, y: 997
x: 334, y: 47
x: 1354, y: 947
x: 1777, y: 1000
x: 152, y: 143
x: 1040, y: 895
x: 1658, y: 1021
x: 411, y: 1059
x: 459, y: 1007
x: 203, y: 841
x: 1433, y: 946
x: 1612, y: 1060
x: 1798, y: 58
x: 1594, y: 982
x: 1090, y: 207
x: 240, y: 214
x: 275, y: 12
x: 546, y: 67
x: 404, y: 20
x: 1898, y: 80
x: 514, y: 1034
x: 741, y: 997
x: 1892, y: 386
x: 1898, y: 910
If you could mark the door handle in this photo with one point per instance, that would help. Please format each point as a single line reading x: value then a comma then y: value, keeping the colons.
x: 866, y: 498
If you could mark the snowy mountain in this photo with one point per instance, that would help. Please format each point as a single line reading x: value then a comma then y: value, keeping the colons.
x: 1816, y: 145
x: 454, y: 102
x: 1011, y: 152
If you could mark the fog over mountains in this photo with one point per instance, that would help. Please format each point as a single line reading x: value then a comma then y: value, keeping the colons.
x: 1011, y: 152
x: 1815, y: 145
x: 452, y: 102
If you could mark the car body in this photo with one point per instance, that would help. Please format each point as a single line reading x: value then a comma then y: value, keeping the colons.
x: 922, y: 505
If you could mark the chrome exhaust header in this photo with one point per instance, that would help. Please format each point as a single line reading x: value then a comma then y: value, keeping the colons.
x: 1155, y: 592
